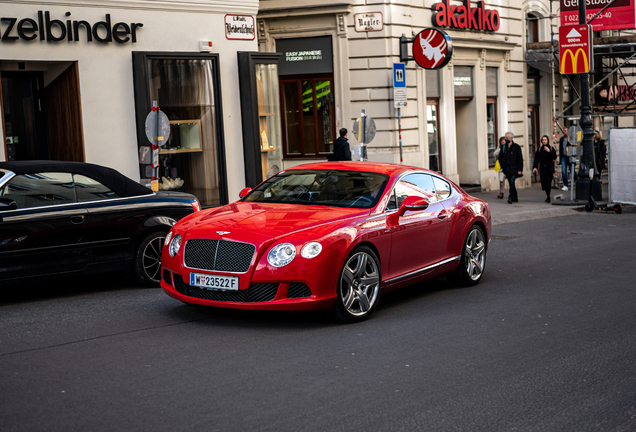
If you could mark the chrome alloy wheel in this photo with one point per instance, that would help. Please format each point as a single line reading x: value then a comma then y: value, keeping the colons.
x: 151, y: 258
x: 360, y: 284
x: 475, y: 254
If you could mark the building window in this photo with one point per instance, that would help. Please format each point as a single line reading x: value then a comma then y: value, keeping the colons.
x: 187, y: 89
x: 308, y: 116
x: 491, y: 112
x: 491, y: 119
x: 432, y: 121
x: 432, y: 128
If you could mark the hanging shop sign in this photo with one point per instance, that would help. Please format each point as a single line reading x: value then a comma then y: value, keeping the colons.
x: 54, y: 30
x: 305, y: 56
x: 465, y: 16
x: 575, y: 48
x: 620, y: 14
x: 432, y: 49
x: 239, y: 27
x: 368, y: 22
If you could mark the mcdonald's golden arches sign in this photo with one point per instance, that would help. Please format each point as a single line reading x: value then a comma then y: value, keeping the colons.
x: 575, y: 49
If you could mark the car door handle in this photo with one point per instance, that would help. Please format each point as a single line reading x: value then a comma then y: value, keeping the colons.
x: 77, y: 219
x: 442, y: 215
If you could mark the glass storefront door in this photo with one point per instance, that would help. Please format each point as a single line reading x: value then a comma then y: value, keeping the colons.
x: 308, y: 107
x: 186, y: 88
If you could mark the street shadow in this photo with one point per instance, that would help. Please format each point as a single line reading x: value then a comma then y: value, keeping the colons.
x: 46, y: 288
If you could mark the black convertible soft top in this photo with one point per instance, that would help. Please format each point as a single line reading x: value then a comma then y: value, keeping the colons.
x: 115, y: 181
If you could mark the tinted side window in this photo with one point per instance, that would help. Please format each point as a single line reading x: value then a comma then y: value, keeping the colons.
x: 415, y: 185
x: 88, y: 189
x: 41, y: 189
x: 442, y: 188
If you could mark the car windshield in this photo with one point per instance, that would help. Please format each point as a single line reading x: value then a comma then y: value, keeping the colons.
x: 321, y: 187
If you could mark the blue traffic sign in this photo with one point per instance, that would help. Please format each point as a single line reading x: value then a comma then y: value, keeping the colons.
x: 399, y: 75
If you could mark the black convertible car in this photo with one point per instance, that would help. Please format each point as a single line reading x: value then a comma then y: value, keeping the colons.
x: 60, y: 218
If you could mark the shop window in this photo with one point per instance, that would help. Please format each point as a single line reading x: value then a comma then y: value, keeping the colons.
x: 491, y: 113
x: 432, y: 129
x: 491, y: 121
x: 463, y: 82
x: 187, y: 89
x: 308, y: 116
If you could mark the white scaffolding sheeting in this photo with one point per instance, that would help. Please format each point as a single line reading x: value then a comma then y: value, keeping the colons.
x: 622, y: 165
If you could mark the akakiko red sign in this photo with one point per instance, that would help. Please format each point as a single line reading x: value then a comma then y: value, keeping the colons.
x: 619, y: 15
x: 432, y: 48
x: 446, y: 14
x: 575, y: 49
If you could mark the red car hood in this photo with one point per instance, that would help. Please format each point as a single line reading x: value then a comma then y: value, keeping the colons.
x: 256, y: 222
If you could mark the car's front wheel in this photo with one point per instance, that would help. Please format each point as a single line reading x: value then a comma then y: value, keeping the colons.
x: 473, y: 259
x: 358, y: 289
x: 148, y: 259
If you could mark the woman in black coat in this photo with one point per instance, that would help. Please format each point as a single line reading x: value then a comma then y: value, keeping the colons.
x: 544, y: 160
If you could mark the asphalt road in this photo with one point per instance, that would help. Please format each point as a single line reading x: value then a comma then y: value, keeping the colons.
x: 546, y: 342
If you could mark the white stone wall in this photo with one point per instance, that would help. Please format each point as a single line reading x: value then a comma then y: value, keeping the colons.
x: 105, y: 70
x: 369, y: 62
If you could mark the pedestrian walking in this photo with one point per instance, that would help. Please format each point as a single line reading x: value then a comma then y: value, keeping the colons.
x: 564, y: 159
x: 341, y: 149
x: 600, y: 152
x: 511, y: 161
x: 500, y: 174
x: 544, y: 161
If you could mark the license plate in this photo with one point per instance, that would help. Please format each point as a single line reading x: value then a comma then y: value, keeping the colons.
x: 229, y: 283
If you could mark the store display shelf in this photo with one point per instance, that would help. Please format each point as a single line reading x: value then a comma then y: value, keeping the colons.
x: 186, y: 150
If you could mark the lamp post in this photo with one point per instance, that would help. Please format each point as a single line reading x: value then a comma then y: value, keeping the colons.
x: 584, y: 183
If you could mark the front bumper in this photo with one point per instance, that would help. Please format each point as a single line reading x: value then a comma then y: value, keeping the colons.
x: 261, y: 295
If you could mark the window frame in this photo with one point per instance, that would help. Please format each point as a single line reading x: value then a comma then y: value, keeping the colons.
x: 435, y: 101
x: 493, y: 100
x: 433, y: 174
x: 143, y: 105
x: 299, y: 79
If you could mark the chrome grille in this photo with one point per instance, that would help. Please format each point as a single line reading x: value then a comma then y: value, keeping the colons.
x: 298, y: 290
x: 256, y: 293
x: 218, y: 255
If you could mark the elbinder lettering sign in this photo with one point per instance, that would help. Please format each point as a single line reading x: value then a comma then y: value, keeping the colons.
x: 47, y: 28
x: 575, y: 48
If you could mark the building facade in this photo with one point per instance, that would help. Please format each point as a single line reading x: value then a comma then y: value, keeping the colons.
x: 250, y: 88
x: 453, y: 116
x: 79, y: 79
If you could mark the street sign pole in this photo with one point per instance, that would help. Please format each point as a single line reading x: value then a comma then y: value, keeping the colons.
x: 584, y: 186
x: 400, y: 134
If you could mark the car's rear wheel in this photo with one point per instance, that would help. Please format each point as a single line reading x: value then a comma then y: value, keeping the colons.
x: 148, y: 259
x: 473, y: 259
x: 359, y: 284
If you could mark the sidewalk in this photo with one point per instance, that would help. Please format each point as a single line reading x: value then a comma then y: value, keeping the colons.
x: 531, y: 205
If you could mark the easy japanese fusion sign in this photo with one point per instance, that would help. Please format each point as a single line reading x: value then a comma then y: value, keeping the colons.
x: 621, y: 14
x: 575, y: 48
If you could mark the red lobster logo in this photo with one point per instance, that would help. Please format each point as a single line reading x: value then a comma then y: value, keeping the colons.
x: 435, y: 53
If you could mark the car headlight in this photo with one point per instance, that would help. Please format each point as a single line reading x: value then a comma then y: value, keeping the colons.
x: 175, y: 244
x: 311, y: 250
x: 168, y: 237
x: 281, y: 254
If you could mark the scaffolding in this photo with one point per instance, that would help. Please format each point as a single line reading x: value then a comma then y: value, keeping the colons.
x: 614, y: 59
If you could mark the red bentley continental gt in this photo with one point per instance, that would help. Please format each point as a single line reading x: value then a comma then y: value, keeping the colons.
x: 331, y: 235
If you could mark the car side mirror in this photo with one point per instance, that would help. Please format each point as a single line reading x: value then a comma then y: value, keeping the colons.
x: 244, y: 192
x: 7, y: 204
x: 412, y: 203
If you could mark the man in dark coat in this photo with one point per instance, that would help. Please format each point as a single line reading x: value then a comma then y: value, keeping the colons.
x: 511, y: 161
x: 341, y: 150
